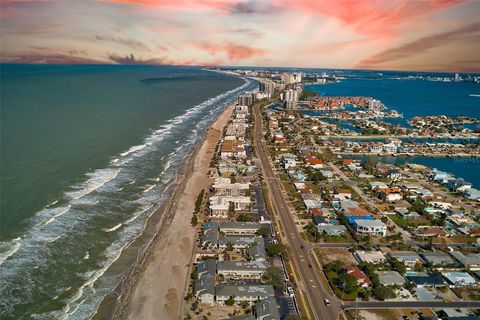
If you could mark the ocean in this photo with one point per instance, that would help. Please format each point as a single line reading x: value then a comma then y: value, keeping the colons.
x: 416, y: 97
x: 87, y: 152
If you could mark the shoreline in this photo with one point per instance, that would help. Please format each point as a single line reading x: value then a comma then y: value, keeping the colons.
x: 132, y: 296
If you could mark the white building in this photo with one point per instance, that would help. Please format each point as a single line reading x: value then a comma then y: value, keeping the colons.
x: 219, y: 205
x: 370, y: 227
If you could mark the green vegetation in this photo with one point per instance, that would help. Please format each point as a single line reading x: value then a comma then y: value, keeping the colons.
x: 263, y: 231
x: 274, y: 277
x: 276, y: 249
x: 230, y: 301
x: 344, y: 285
x: 307, y: 94
x: 370, y: 165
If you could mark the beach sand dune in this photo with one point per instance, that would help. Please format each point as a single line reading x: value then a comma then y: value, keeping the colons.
x: 159, y: 290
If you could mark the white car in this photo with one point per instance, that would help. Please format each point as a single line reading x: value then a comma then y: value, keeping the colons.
x: 327, y: 302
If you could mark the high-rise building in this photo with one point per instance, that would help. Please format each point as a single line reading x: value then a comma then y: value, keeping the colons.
x: 266, y: 86
x: 290, y: 98
x: 246, y: 99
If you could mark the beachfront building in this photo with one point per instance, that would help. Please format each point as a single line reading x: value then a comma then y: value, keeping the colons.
x: 225, y: 187
x: 233, y: 149
x: 248, y: 293
x: 220, y: 205
x: 239, y: 228
x: 242, y: 269
x: 204, y: 287
x: 370, y: 227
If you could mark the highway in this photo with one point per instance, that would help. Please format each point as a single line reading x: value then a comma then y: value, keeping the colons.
x: 309, y: 279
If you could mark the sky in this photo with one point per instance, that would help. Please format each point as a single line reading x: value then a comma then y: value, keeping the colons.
x: 418, y: 35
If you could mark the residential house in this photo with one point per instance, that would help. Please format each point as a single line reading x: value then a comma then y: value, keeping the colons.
x: 469, y: 261
x: 332, y: 230
x: 362, y: 279
x: 459, y: 279
x: 390, y: 278
x: 409, y: 258
x: 439, y: 259
x: 369, y: 256
x: 370, y: 227
x: 389, y: 194
x: 237, y: 242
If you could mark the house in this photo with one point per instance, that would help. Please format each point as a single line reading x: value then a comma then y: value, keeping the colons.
x: 224, y: 187
x: 314, y: 163
x: 459, y: 279
x: 267, y: 309
x: 407, y: 215
x: 237, y: 242
x: 357, y: 213
x: 409, y: 258
x: 472, y: 194
x: 423, y: 279
x: 242, y: 269
x: 369, y: 256
x: 288, y: 161
x: 362, y: 279
x: 430, y: 232
x: 389, y: 194
x: 327, y: 174
x: 239, y: 228
x: 390, y: 278
x: 439, y: 259
x: 332, y: 230
x: 204, y: 287
x: 470, y: 261
x: 343, y: 194
x: 219, y: 205
x: 348, y: 204
x: 370, y: 227
x: 375, y: 185
x: 249, y: 293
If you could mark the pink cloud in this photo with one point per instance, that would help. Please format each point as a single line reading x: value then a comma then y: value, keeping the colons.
x: 371, y: 17
x: 235, y: 52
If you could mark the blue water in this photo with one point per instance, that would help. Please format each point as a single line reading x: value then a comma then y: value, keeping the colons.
x: 87, y: 153
x: 411, y: 97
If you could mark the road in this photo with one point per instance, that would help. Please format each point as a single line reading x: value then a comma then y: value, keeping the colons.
x: 309, y: 279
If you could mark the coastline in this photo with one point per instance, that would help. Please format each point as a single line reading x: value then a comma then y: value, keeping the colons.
x: 144, y: 293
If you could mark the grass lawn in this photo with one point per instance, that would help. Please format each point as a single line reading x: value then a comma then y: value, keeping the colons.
x: 339, y: 239
x: 399, y: 221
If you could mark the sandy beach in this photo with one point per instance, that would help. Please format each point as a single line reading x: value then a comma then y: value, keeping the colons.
x: 159, y: 289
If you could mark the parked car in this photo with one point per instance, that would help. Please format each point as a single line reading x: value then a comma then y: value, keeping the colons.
x: 327, y: 302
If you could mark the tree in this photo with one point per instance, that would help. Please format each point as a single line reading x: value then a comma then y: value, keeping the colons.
x: 274, y: 277
x: 370, y: 165
x: 263, y: 231
x: 230, y: 301
x: 383, y: 292
x: 418, y: 205
x: 347, y: 282
x: 276, y: 249
x: 334, y: 266
x: 419, y: 267
x: 312, y: 230
x: 398, y: 265
x: 231, y: 208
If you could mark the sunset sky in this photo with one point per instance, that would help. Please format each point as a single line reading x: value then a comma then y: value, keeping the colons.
x: 428, y: 35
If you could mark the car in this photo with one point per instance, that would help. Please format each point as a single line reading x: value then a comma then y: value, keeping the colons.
x: 290, y: 291
x: 327, y: 302
x: 405, y: 318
